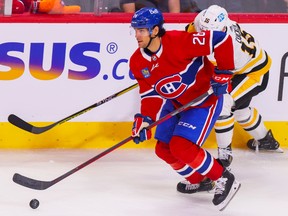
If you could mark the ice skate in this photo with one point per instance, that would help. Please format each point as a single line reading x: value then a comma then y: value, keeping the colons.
x: 225, y: 189
x: 267, y: 143
x: 186, y: 187
x: 225, y: 156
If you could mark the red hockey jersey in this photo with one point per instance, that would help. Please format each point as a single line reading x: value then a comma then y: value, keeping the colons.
x: 179, y: 70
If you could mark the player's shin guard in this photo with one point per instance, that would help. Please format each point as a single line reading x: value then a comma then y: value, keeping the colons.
x: 214, y: 172
x: 251, y: 121
x: 224, y: 128
x: 196, y: 157
x: 194, y: 181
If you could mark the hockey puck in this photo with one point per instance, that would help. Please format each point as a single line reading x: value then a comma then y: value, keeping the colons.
x: 34, y: 203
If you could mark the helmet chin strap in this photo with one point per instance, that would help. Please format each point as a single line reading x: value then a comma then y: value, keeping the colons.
x: 151, y: 38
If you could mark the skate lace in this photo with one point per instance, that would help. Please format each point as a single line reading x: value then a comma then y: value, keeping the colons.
x: 224, y: 153
x: 220, y: 185
x: 189, y: 186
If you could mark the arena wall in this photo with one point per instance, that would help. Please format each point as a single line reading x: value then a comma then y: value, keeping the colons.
x: 52, y: 66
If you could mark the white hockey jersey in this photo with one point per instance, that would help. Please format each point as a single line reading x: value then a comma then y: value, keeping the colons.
x: 248, y: 54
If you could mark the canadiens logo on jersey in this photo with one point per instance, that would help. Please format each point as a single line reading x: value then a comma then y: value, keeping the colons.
x: 146, y: 72
x: 171, y: 87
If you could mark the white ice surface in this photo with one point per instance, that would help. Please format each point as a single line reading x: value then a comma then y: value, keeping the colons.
x: 135, y: 183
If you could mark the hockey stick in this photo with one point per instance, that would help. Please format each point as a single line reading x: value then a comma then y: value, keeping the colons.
x: 42, y: 185
x: 20, y: 123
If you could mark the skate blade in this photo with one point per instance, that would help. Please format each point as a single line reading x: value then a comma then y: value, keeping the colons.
x: 235, y: 187
x: 279, y: 150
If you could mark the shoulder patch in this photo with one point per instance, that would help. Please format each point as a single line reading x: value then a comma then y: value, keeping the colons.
x: 146, y: 72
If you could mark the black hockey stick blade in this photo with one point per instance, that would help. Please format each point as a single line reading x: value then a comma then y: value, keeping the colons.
x: 31, y: 183
x: 20, y: 123
x: 42, y: 185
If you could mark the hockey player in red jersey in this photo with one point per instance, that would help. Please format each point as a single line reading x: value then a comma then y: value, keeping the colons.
x: 172, y: 69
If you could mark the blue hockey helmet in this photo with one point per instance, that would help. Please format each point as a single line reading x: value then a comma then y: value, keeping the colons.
x: 147, y: 17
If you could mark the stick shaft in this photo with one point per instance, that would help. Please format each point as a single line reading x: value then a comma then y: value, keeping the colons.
x: 20, y: 123
x: 42, y: 185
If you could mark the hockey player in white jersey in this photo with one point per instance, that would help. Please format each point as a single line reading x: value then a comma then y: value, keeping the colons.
x: 250, y: 77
